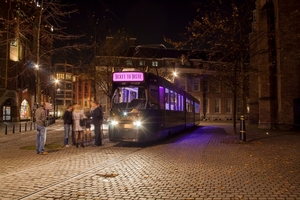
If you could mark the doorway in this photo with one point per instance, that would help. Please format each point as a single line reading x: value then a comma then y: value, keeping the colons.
x: 6, y: 113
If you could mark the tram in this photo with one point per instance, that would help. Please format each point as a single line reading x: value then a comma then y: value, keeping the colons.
x: 146, y: 107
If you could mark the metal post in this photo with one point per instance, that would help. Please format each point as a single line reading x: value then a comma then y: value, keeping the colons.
x: 26, y: 126
x: 20, y: 128
x: 242, y: 129
x: 5, y: 129
x: 13, y: 129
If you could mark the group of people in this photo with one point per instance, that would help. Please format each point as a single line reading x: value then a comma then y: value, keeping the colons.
x: 72, y: 118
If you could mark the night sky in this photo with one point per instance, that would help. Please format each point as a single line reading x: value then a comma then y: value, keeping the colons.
x: 146, y: 20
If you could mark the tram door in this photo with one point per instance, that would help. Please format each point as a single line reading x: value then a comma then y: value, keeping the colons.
x: 6, y: 113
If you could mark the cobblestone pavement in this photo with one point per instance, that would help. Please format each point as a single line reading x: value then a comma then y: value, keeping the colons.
x: 208, y: 163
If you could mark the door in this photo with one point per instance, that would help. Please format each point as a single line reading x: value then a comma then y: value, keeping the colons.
x: 6, y: 113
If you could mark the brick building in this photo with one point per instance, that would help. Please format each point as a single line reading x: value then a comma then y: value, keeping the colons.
x: 275, y: 40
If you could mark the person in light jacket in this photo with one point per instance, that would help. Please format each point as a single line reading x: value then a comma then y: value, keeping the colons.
x: 78, y: 115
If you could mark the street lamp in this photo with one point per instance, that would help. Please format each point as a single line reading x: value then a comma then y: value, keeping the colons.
x: 36, y: 85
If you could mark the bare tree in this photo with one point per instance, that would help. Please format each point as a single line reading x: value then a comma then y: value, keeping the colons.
x: 38, y: 30
x: 222, y: 30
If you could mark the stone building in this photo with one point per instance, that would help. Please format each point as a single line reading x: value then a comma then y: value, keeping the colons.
x: 275, y: 91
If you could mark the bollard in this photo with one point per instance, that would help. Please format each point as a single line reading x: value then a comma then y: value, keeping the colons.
x: 5, y: 129
x: 25, y: 126
x: 242, y: 129
x: 20, y: 128
x: 13, y: 129
x: 31, y: 126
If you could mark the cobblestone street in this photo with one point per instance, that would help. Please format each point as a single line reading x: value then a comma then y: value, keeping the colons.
x: 208, y: 162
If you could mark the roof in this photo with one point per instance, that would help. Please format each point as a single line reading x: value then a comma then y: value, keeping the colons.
x: 159, y: 51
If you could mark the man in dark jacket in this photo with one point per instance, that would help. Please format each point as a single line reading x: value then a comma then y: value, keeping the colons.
x: 97, y: 120
x: 67, y: 117
x: 40, y: 116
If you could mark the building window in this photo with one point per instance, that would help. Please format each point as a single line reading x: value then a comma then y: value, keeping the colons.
x: 128, y: 62
x: 217, y: 105
x: 142, y: 63
x: 68, y: 86
x: 206, y: 105
x: 228, y: 105
x: 205, y: 86
x: 154, y: 64
x: 68, y: 76
x: 60, y: 76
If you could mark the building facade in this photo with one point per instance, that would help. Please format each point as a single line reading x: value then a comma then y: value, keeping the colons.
x: 275, y: 40
x: 71, y: 88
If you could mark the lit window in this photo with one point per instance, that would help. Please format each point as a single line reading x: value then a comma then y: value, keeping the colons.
x: 154, y: 63
x: 68, y: 77
x: 60, y: 76
x: 142, y: 63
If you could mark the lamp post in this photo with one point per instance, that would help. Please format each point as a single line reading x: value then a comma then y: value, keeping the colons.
x: 55, y: 98
x: 57, y: 103
x: 36, y: 86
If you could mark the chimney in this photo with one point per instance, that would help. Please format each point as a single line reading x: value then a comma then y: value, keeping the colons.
x: 109, y: 40
x: 132, y: 41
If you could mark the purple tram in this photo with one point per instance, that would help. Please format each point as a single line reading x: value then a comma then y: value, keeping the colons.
x: 146, y: 107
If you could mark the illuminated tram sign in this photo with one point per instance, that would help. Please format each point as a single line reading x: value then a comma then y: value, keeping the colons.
x: 128, y: 76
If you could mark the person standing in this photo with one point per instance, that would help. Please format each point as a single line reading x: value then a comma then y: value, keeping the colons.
x: 97, y: 120
x: 78, y: 115
x: 40, y: 116
x: 67, y: 117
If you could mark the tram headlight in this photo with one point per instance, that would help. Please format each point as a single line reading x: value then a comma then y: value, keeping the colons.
x: 114, y: 122
x: 137, y: 123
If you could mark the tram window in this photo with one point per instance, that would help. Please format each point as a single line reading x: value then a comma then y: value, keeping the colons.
x: 161, y: 97
x: 153, y: 97
x: 197, y: 108
x: 167, y: 99
x: 176, y: 101
x: 172, y: 100
x: 188, y: 105
x: 181, y: 102
x: 141, y: 93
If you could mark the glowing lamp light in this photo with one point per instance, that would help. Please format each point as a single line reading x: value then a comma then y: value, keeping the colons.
x: 174, y: 73
x: 137, y: 123
x: 113, y: 122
